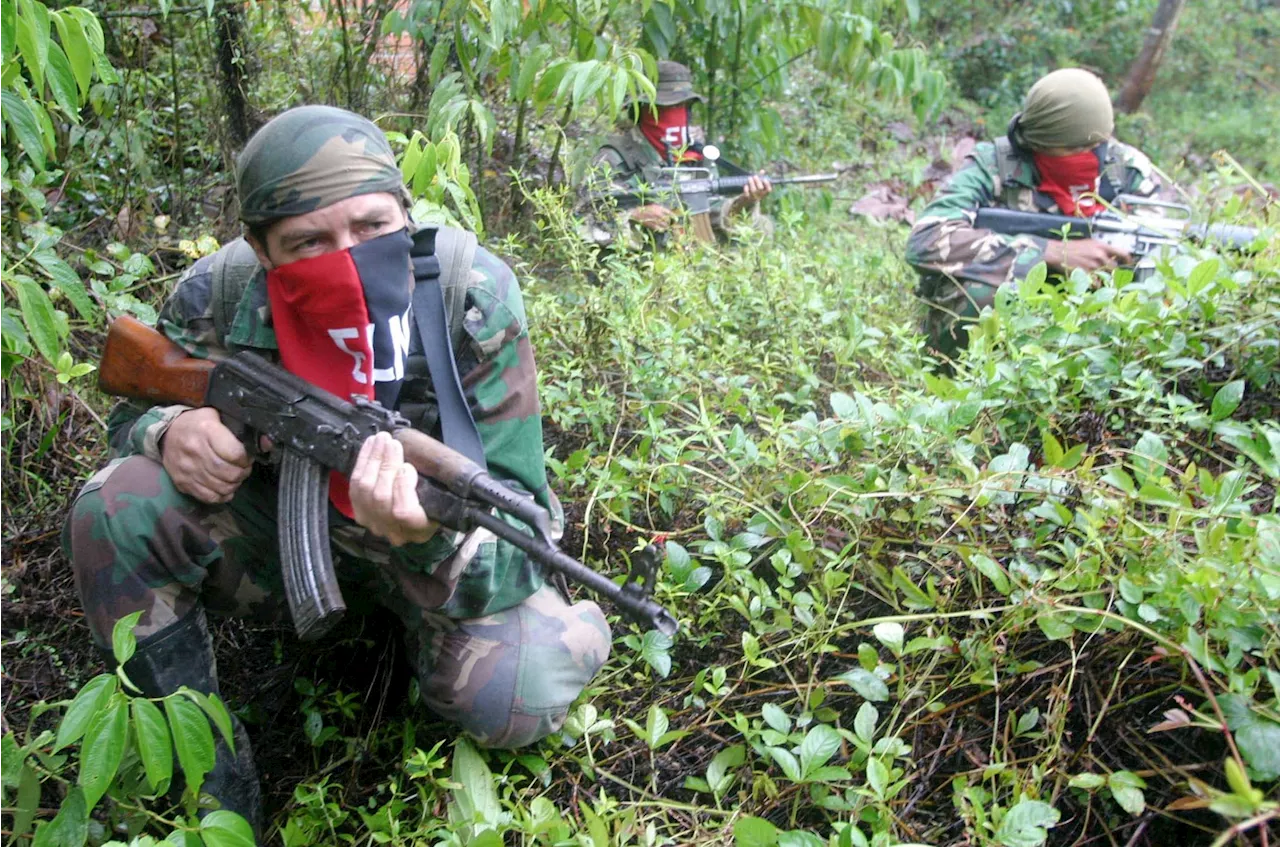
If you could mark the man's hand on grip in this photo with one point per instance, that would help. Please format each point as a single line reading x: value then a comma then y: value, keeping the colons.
x: 203, y: 458
x: 1087, y: 253
x: 384, y: 493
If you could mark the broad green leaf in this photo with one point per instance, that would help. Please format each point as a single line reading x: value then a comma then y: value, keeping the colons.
x: 1158, y: 495
x: 154, y: 748
x: 8, y: 29
x: 867, y: 684
x: 222, y: 828
x: 750, y: 831
x: 1119, y: 478
x: 799, y: 838
x: 820, y: 744
x: 123, y: 641
x: 913, y: 597
x: 620, y: 81
x: 1027, y: 824
x: 891, y: 635
x: 845, y: 407
x: 38, y: 315
x: 92, y: 28
x: 992, y: 571
x: 84, y: 708
x: 26, y: 803
x: 656, y: 725
x: 877, y: 776
x: 1126, y: 787
x: 1150, y: 457
x: 69, y: 828
x: 22, y: 118
x: 76, y: 46
x: 1088, y: 781
x: 1202, y: 275
x: 864, y: 723
x: 776, y: 718
x: 216, y: 710
x: 654, y: 649
x: 192, y: 739
x: 12, y: 761
x: 1054, y: 626
x: 1257, y: 737
x: 33, y: 40
x: 103, y: 748
x: 722, y: 765
x: 1227, y: 399
x: 475, y: 800
x: 62, y: 83
x: 68, y: 282
x: 788, y: 763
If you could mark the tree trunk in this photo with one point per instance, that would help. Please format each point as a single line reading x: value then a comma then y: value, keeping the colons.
x: 229, y: 18
x: 1142, y: 74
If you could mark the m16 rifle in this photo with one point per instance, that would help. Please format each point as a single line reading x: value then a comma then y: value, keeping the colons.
x: 1138, y: 225
x: 318, y: 432
x: 692, y: 187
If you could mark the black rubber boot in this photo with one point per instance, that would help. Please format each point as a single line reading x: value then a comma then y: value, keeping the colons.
x: 182, y: 655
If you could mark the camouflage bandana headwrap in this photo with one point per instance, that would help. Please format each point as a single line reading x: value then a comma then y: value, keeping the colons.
x: 1069, y: 108
x: 311, y: 157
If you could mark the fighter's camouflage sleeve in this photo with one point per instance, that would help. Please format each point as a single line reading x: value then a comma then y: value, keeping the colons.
x: 944, y: 240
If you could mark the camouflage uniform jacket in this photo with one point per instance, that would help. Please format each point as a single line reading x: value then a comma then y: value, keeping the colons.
x: 944, y: 244
x: 495, y: 360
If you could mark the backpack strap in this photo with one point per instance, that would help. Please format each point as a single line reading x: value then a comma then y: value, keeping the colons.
x: 456, y: 251
x: 1114, y: 174
x: 633, y: 151
x: 233, y: 269
x: 1006, y: 169
x: 457, y: 426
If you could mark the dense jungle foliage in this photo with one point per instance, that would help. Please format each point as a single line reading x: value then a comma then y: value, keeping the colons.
x: 1032, y: 598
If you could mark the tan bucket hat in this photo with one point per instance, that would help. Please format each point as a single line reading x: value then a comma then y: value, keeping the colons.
x: 675, y: 85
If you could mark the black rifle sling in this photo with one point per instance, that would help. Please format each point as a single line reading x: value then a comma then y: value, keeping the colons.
x: 456, y: 424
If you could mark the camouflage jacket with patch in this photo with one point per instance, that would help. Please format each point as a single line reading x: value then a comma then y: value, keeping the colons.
x: 495, y: 361
x: 945, y: 244
x: 627, y: 161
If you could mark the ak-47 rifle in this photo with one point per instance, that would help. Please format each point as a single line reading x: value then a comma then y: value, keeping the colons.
x: 317, y: 432
x: 1138, y: 225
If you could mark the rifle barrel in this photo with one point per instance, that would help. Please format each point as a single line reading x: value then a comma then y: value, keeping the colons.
x: 807, y: 179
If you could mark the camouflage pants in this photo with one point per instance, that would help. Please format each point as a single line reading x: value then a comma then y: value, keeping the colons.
x: 137, y: 544
x: 951, y: 306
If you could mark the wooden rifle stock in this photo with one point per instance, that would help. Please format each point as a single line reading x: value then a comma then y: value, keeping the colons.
x: 140, y: 363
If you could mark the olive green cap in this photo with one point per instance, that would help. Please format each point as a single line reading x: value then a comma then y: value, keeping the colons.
x: 1069, y: 108
x: 311, y: 157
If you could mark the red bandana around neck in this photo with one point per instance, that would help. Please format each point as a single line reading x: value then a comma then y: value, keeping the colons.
x: 1072, y: 181
x: 342, y: 323
x: 669, y: 129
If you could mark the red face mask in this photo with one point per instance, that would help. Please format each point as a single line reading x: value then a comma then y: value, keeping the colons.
x: 669, y: 129
x: 342, y: 323
x: 1072, y: 181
